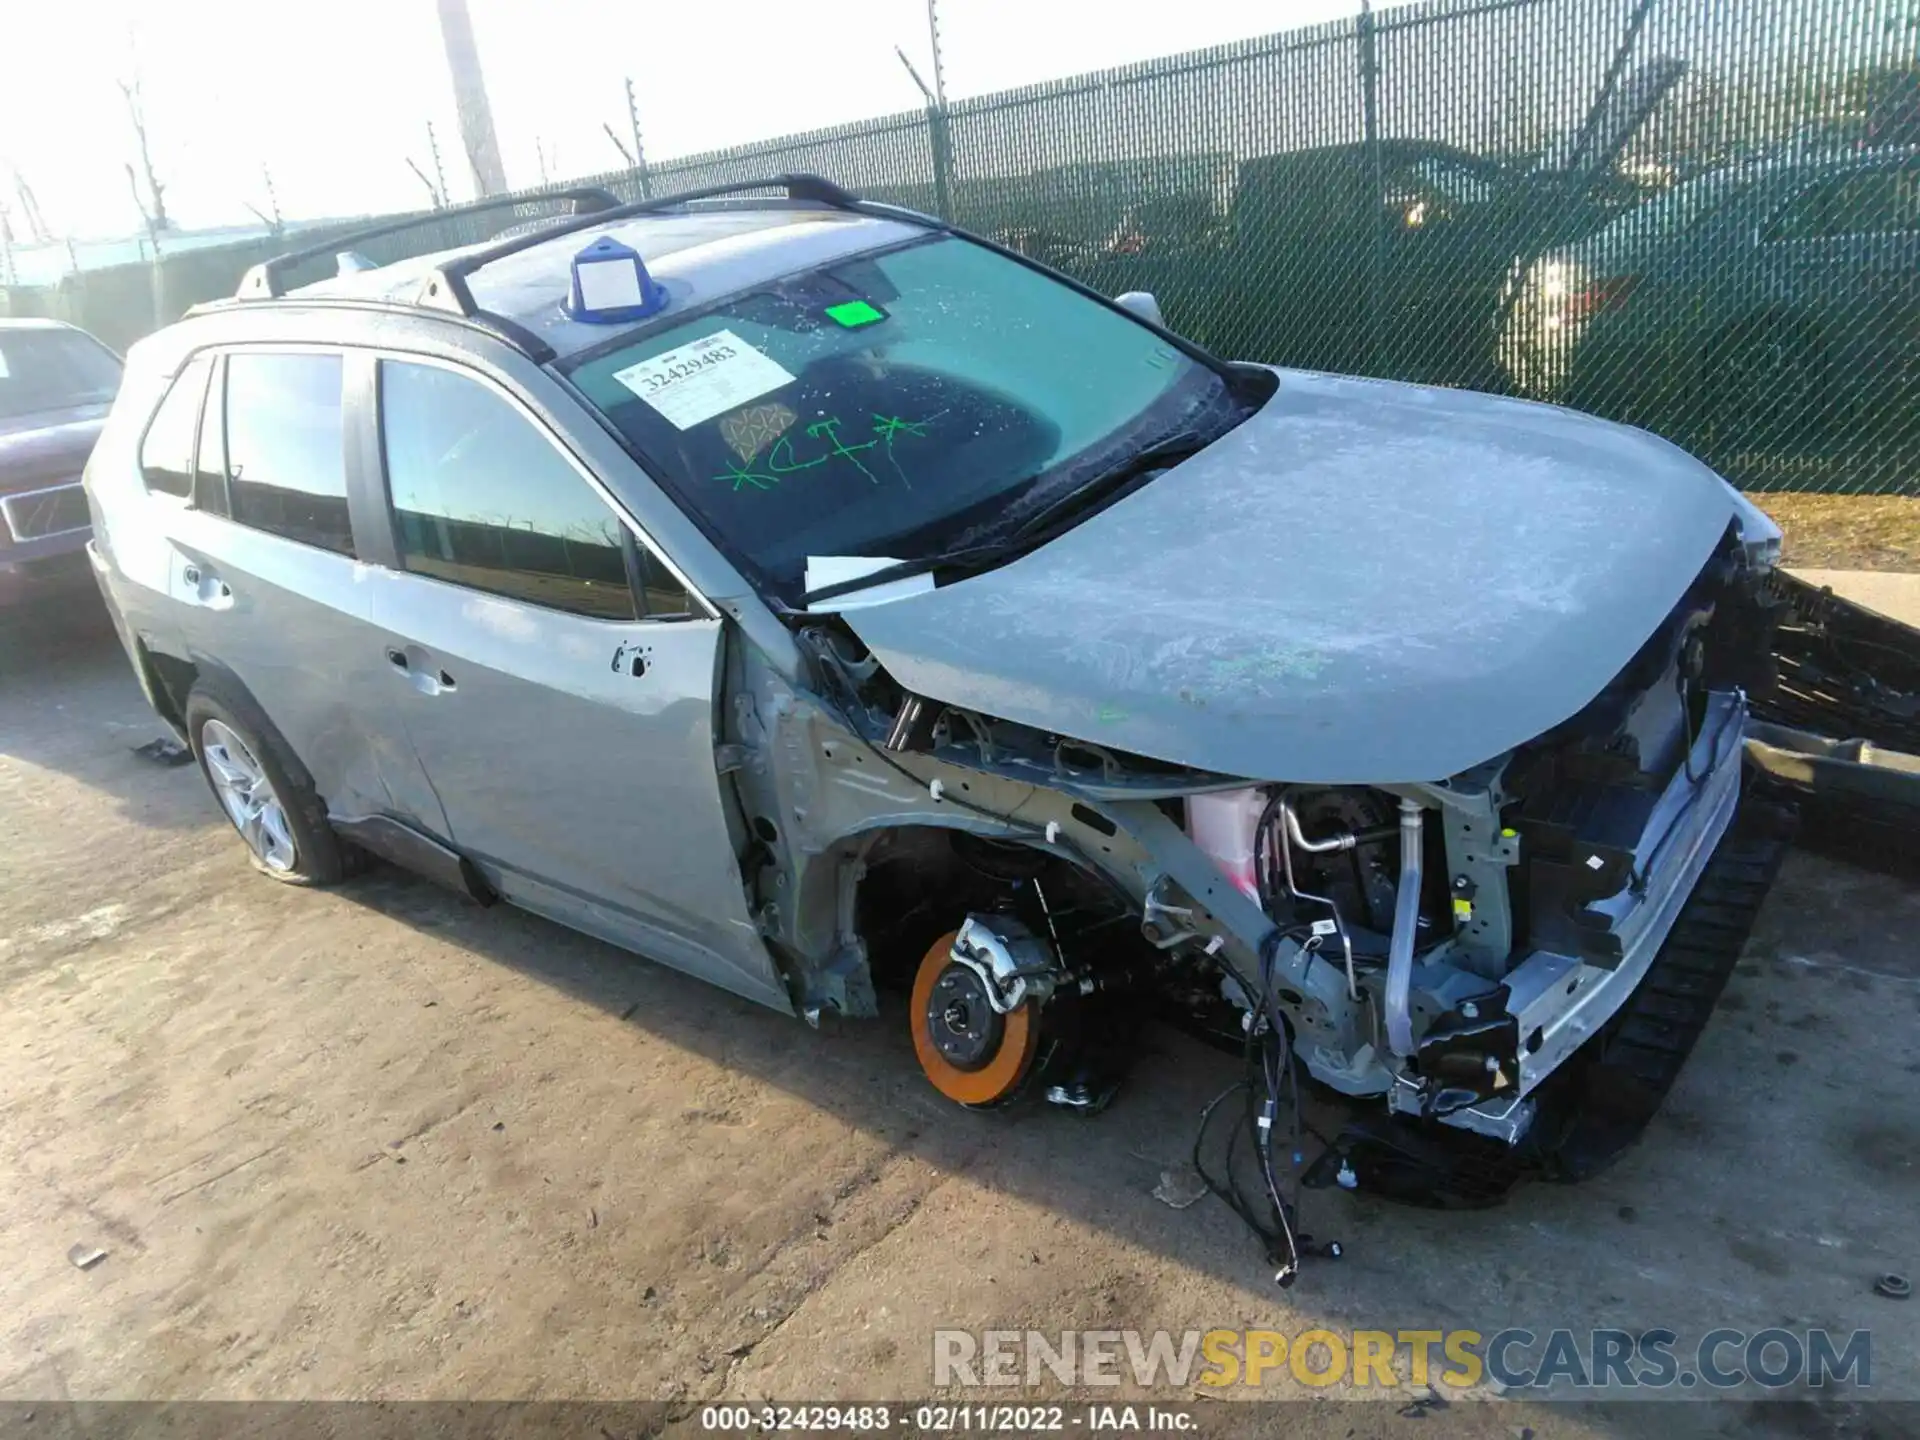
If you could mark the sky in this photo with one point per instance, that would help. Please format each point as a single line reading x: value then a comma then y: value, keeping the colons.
x: 332, y: 98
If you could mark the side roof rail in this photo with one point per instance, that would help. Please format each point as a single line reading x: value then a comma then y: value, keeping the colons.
x: 263, y: 281
x: 445, y: 288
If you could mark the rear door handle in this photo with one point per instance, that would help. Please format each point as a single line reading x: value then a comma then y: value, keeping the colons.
x: 418, y: 668
x: 207, y: 587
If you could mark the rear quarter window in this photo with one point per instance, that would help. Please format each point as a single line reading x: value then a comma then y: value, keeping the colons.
x: 166, y: 453
x: 210, y: 459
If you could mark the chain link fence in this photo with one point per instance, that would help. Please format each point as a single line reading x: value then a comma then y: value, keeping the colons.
x: 1702, y: 218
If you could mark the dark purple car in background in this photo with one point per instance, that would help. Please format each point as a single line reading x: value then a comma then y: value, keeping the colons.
x: 56, y: 383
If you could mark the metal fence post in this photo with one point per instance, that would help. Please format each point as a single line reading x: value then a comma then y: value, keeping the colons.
x: 1370, y: 124
x: 644, y: 180
x: 940, y: 142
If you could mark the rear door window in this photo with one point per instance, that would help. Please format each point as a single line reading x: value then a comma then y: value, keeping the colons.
x: 1884, y: 201
x: 286, y: 468
x: 482, y: 498
x: 166, y: 454
x: 1881, y: 201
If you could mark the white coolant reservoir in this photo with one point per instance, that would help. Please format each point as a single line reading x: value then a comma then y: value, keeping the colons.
x: 1223, y: 824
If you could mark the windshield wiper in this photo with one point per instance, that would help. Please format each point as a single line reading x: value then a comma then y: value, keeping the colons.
x: 1031, y: 533
x: 1161, y: 455
x: 966, y: 554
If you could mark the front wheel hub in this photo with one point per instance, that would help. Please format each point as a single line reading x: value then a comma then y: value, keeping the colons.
x: 970, y: 1051
x: 961, y: 1020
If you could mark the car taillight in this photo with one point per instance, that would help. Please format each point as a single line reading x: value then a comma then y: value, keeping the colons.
x: 1597, y: 295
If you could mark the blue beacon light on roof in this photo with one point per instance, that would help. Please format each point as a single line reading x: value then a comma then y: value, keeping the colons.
x: 611, y: 285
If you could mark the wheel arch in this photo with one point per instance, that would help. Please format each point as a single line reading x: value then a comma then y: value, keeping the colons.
x: 834, y: 927
x: 166, y: 679
x: 219, y: 680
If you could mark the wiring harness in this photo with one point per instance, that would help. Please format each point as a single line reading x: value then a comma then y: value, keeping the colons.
x: 1269, y: 1090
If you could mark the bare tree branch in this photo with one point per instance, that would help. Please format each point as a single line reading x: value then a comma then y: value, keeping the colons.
x: 133, y: 184
x: 156, y: 213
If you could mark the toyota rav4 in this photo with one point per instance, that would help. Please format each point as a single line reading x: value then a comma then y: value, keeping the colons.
x: 805, y: 594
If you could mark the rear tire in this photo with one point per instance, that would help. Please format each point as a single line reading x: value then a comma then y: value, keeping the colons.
x: 264, y: 790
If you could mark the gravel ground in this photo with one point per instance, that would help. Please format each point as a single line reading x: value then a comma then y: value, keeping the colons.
x: 376, y: 1142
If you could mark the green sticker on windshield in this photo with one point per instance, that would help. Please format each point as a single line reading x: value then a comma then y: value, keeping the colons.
x: 854, y: 313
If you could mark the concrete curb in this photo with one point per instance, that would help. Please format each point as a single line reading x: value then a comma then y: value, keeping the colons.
x: 1893, y: 593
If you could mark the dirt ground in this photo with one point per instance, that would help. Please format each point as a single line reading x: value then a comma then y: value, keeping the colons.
x: 1846, y: 532
x: 377, y: 1142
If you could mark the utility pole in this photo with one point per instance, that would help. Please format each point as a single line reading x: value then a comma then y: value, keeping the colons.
x: 639, y: 150
x: 470, y: 99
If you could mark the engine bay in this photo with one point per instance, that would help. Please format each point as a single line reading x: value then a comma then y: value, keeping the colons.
x: 1492, y: 975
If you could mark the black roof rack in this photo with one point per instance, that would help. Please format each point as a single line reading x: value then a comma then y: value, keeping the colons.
x: 446, y: 287
x: 262, y: 281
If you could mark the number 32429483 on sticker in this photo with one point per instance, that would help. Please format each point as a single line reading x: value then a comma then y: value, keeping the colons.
x: 704, y: 378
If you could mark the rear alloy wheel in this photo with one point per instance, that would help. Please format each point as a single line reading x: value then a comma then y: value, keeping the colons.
x: 971, y: 1052
x: 264, y: 789
x: 241, y: 784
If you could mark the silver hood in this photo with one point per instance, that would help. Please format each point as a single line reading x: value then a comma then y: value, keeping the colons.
x: 1365, y: 582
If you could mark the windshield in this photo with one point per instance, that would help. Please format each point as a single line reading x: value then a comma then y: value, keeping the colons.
x: 54, y: 370
x: 888, y: 405
x: 1678, y: 210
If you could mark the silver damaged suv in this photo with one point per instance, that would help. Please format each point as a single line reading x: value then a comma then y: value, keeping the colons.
x: 813, y: 597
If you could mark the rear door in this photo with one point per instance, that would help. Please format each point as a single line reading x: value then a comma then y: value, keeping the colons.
x: 1844, y: 256
x: 263, y: 570
x: 557, y: 680
x: 1877, y: 219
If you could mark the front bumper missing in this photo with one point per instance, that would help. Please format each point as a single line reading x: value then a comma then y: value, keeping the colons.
x: 1562, y: 1001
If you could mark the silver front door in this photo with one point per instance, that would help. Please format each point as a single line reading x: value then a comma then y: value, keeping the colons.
x: 556, y: 686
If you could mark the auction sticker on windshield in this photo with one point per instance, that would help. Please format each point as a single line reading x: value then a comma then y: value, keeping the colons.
x: 704, y: 378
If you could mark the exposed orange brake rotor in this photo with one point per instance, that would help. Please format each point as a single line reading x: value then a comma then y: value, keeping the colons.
x: 1001, y: 1070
